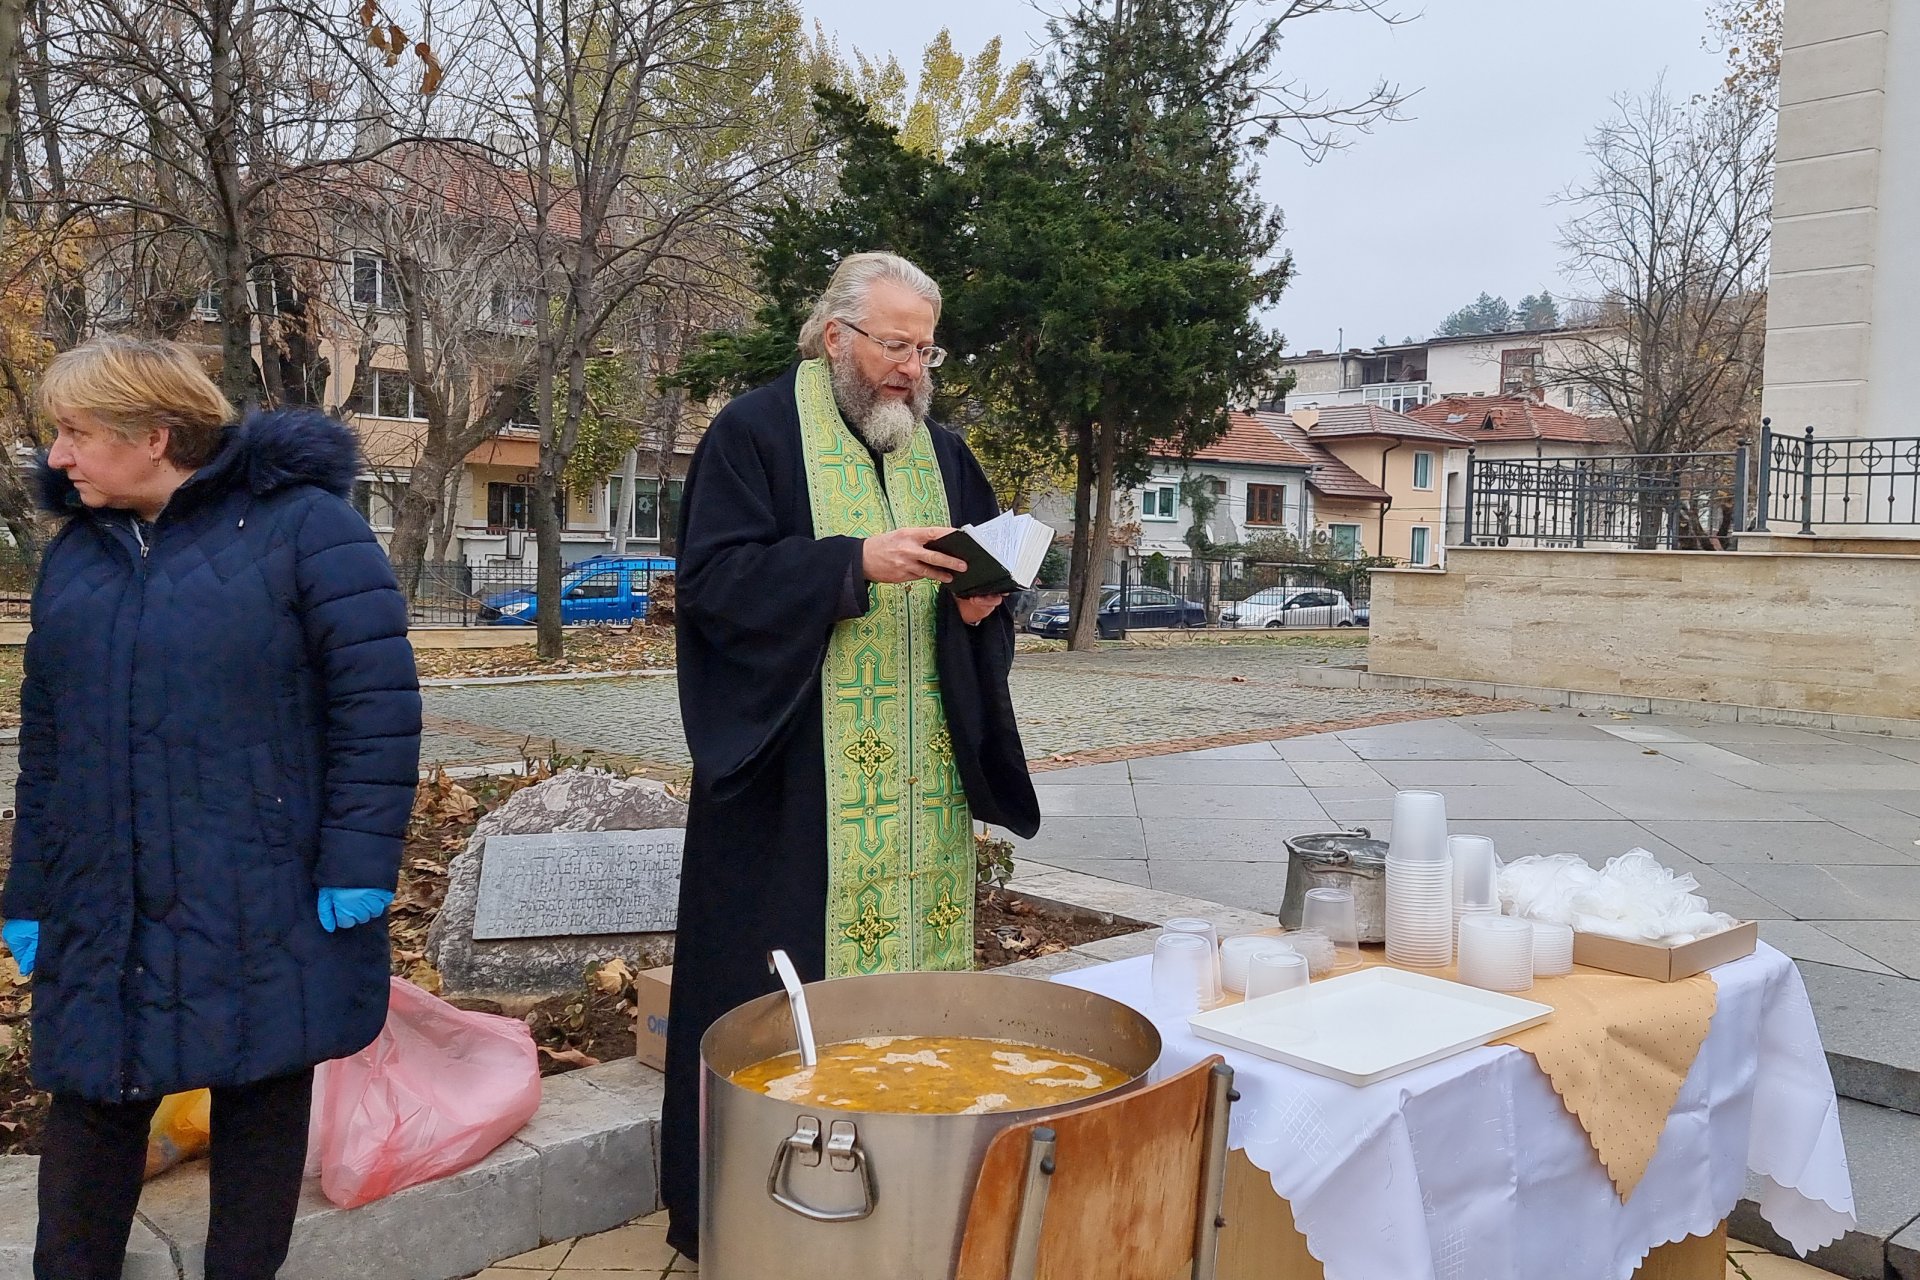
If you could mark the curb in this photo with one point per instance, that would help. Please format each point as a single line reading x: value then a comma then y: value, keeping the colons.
x: 587, y: 1162
x: 455, y: 682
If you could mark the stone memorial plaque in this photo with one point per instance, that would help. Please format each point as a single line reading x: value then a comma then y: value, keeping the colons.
x: 564, y: 884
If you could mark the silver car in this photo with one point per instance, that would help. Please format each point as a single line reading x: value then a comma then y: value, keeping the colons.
x: 1276, y: 607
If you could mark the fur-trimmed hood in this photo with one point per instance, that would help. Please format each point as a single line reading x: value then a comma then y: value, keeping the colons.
x: 266, y: 451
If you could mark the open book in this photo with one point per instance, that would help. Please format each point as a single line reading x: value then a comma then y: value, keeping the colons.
x: 1003, y: 555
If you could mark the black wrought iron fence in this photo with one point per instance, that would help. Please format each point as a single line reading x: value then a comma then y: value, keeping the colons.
x: 1678, y: 501
x: 503, y: 592
x: 1807, y: 482
x: 18, y: 569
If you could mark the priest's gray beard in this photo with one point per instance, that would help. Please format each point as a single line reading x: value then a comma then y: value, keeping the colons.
x: 885, y: 424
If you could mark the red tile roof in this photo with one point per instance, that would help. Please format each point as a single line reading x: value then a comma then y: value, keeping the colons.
x: 1271, y: 439
x: 1351, y: 420
x: 1516, y: 417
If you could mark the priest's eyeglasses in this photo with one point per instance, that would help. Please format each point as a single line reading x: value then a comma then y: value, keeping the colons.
x: 898, y: 351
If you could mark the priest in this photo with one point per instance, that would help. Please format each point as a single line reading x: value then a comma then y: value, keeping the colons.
x: 848, y: 717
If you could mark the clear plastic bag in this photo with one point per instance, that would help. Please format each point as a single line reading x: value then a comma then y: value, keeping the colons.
x: 435, y: 1092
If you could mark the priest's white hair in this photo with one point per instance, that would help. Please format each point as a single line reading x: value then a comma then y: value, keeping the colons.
x: 846, y: 297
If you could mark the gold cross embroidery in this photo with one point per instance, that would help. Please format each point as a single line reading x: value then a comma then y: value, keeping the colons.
x: 941, y: 744
x: 869, y: 931
x: 944, y: 915
x: 869, y: 752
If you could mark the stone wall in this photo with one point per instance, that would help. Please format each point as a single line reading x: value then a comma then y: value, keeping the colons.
x: 1825, y: 633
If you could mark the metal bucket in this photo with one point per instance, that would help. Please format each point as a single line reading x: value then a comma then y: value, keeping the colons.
x: 1350, y: 860
x: 809, y: 1193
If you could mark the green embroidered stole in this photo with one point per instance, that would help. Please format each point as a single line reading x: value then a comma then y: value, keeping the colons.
x: 900, y: 859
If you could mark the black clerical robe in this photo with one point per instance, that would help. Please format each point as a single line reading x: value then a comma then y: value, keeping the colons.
x: 757, y: 598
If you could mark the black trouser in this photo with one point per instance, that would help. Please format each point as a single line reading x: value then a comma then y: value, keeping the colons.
x: 93, y: 1155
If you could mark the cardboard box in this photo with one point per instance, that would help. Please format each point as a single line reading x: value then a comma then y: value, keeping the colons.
x: 1664, y: 963
x: 651, y: 987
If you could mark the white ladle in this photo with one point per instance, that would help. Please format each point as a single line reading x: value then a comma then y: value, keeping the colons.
x: 777, y: 962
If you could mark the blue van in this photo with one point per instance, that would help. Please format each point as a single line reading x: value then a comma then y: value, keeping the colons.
x: 603, y: 589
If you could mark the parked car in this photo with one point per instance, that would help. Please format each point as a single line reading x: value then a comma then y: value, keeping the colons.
x: 603, y: 589
x: 1145, y: 607
x: 1291, y: 607
x: 1363, y: 614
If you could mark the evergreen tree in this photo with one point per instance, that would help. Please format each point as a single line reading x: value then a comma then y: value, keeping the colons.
x: 1484, y: 314
x: 1537, y: 311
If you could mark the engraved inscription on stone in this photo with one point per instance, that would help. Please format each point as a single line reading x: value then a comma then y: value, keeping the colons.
x: 579, y: 882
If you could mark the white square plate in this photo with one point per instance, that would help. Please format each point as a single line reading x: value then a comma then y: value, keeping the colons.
x: 1367, y: 1026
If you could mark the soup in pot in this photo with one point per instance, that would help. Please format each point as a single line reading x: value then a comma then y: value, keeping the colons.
x: 932, y: 1075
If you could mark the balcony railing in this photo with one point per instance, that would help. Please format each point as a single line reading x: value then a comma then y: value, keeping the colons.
x: 1683, y: 501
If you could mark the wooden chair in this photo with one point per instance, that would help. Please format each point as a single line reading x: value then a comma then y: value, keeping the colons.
x: 1123, y: 1189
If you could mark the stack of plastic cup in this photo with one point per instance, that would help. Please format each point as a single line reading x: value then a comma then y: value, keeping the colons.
x: 1204, y: 930
x: 1183, y: 975
x: 1419, y: 882
x: 1235, y: 952
x: 1552, y: 949
x: 1496, y: 953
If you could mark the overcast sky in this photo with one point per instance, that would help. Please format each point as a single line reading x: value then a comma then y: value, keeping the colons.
x: 1419, y: 217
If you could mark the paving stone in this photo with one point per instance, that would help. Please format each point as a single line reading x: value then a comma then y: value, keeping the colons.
x: 1426, y: 774
x: 1839, y: 765
x: 1047, y: 966
x: 1639, y: 770
x: 1836, y: 892
x: 1185, y: 769
x: 1723, y: 893
x: 1790, y: 842
x: 1067, y: 836
x: 1544, y: 799
x: 597, y: 1166
x: 1595, y: 840
x: 1228, y: 839
x: 1870, y: 1027
x: 1166, y: 800
x: 1124, y: 947
x: 636, y: 1247
x: 1805, y: 941
x: 1883, y: 1153
x: 1340, y: 773
x: 1113, y: 771
x: 1894, y: 943
x: 1321, y: 747
x: 1683, y: 802
x: 148, y: 1255
x: 450, y: 1227
x: 1125, y: 870
x: 1598, y: 747
x: 1240, y: 751
x: 1095, y: 800
x: 1463, y: 747
x: 1903, y: 1253
x: 1255, y: 886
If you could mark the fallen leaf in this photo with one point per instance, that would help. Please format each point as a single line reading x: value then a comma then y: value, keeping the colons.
x: 1621, y: 715
x: 1649, y: 752
x: 612, y: 976
x: 572, y: 1056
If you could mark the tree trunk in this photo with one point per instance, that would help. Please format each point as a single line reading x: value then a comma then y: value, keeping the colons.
x: 11, y: 12
x: 1081, y: 555
x: 420, y: 509
x: 1086, y: 605
x: 623, y: 518
x: 672, y: 410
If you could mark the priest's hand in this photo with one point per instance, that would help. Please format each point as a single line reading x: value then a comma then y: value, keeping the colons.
x: 974, y: 609
x: 902, y: 556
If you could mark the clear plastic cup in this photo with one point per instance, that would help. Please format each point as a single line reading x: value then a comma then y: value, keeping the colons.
x: 1419, y: 827
x: 1475, y: 871
x: 1496, y: 953
x: 1234, y: 953
x: 1204, y: 930
x: 1420, y: 911
x: 1330, y: 911
x: 1182, y: 975
x: 1552, y: 949
x: 1271, y: 972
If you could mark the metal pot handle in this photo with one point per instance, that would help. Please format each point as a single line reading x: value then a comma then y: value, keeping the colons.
x: 843, y: 1149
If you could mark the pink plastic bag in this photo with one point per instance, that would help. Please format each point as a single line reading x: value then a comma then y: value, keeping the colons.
x: 434, y: 1093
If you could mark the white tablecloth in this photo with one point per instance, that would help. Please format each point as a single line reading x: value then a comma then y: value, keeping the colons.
x: 1471, y: 1169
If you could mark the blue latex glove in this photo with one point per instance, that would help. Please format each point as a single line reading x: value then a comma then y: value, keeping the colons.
x: 23, y: 940
x: 345, y: 908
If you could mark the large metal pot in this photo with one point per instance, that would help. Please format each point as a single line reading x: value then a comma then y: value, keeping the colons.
x: 809, y: 1193
x: 1350, y: 860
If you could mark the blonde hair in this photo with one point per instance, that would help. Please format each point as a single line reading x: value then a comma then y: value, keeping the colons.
x: 846, y: 297
x: 136, y: 384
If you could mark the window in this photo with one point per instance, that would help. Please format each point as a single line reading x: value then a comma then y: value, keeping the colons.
x: 394, y: 396
x: 600, y: 586
x: 510, y: 506
x: 1421, y: 536
x: 206, y: 304
x: 1346, y: 540
x: 514, y: 305
x: 1423, y: 471
x: 1399, y: 396
x: 1520, y: 369
x: 1160, y: 502
x: 1266, y: 504
x: 373, y: 282
x: 378, y: 501
x: 649, y: 517
x: 1569, y: 397
x: 114, y: 294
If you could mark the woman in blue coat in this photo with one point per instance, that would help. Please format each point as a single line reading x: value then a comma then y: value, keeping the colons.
x: 219, y: 742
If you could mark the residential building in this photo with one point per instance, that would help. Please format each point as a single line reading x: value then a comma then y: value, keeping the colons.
x: 1416, y: 463
x: 1520, y: 425
x: 1402, y: 377
x: 1255, y: 482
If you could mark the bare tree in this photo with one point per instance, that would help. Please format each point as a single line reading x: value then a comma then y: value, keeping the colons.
x: 642, y: 134
x: 1669, y: 237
